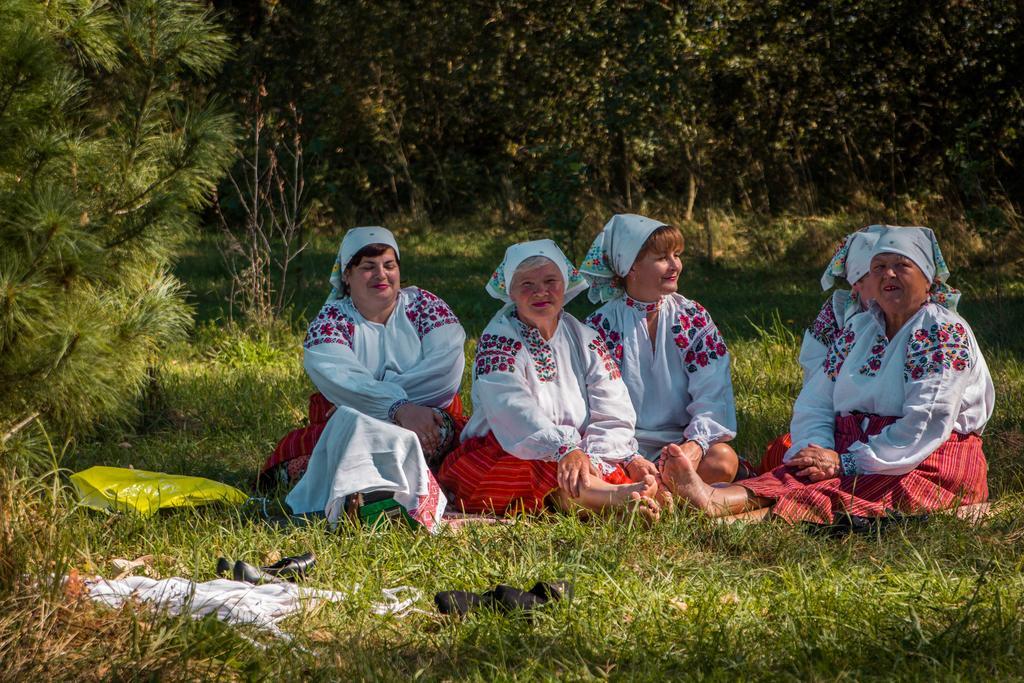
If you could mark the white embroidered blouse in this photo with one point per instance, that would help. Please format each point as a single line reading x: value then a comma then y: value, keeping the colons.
x: 543, y: 399
x: 680, y: 387
x: 931, y: 376
x: 823, y: 331
x: 417, y: 356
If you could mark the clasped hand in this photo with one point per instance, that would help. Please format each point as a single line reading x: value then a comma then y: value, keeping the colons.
x: 424, y: 422
x: 816, y: 463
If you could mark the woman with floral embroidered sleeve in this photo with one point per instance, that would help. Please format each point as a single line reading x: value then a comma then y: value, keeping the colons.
x: 391, y: 361
x: 851, y: 261
x: 671, y: 355
x: 552, y: 423
x: 891, y: 421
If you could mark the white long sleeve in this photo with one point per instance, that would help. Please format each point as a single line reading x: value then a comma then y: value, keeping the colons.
x: 930, y: 376
x: 435, y: 378
x: 814, y: 415
x: 370, y: 367
x: 609, y: 434
x: 503, y: 391
x: 940, y: 357
x: 518, y: 423
x: 712, y: 406
x: 679, y: 382
x: 823, y: 331
x: 543, y: 398
x: 345, y: 380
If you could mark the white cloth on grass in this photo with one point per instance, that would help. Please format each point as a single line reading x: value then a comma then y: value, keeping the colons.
x: 680, y: 388
x: 931, y: 376
x: 542, y: 399
x: 368, y: 370
x: 234, y: 602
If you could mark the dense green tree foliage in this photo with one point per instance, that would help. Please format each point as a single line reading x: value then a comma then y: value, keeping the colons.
x: 109, y: 148
x: 765, y: 106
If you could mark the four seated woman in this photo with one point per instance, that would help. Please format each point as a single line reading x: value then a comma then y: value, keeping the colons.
x: 391, y: 360
x: 672, y: 357
x: 892, y: 419
x: 552, y: 420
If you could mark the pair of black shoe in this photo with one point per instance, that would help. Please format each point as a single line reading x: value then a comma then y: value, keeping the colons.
x: 287, y: 568
x: 504, y: 598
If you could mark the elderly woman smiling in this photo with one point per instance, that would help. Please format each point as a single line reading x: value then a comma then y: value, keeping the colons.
x: 891, y: 421
x: 552, y: 420
x: 391, y: 360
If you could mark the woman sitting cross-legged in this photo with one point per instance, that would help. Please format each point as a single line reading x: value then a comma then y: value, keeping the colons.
x: 891, y: 421
x: 671, y: 355
x: 552, y: 421
x: 851, y: 261
x: 391, y: 360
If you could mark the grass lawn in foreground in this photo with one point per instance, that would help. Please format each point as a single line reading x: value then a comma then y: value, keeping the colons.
x: 685, y: 599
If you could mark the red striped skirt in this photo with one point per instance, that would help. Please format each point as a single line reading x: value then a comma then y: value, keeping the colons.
x: 954, y: 474
x: 773, y: 455
x: 294, y: 450
x: 482, y: 477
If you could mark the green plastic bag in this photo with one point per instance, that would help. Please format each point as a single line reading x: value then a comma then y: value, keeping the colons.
x: 125, y: 490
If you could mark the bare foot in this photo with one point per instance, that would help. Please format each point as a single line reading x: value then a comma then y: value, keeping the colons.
x: 600, y: 495
x: 623, y: 493
x: 647, y: 509
x: 664, y: 497
x: 681, y: 479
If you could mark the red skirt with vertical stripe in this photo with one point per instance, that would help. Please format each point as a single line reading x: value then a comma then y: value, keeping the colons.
x: 482, y: 477
x: 954, y: 474
x: 774, y: 454
x: 294, y: 450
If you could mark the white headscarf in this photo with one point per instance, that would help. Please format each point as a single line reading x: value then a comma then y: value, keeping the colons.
x: 354, y: 240
x: 917, y: 244
x: 613, y: 253
x: 920, y: 245
x: 501, y: 280
x: 852, y: 259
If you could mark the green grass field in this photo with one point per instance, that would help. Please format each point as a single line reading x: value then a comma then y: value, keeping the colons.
x: 686, y: 599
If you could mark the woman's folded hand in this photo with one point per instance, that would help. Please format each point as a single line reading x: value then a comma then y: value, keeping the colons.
x: 424, y: 422
x: 816, y: 463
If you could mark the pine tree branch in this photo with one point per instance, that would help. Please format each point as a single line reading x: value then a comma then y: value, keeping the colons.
x: 9, y: 434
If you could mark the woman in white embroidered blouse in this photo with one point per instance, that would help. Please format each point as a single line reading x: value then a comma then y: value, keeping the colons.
x: 672, y: 357
x: 552, y: 421
x: 851, y: 261
x: 891, y: 421
x: 391, y: 360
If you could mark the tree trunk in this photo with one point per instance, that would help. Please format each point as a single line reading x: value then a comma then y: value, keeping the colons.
x: 708, y: 230
x: 691, y: 195
x: 623, y: 168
